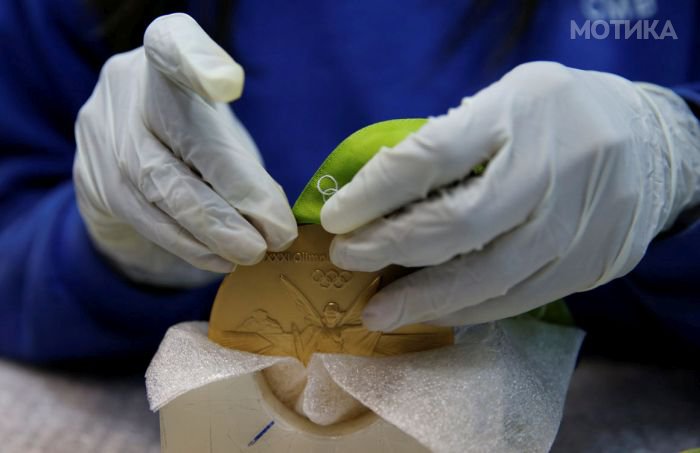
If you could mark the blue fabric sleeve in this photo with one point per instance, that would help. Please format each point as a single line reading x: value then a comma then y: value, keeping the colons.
x: 652, y: 311
x: 59, y: 300
x: 691, y: 94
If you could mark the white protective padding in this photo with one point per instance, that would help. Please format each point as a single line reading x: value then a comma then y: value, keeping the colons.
x: 500, y: 388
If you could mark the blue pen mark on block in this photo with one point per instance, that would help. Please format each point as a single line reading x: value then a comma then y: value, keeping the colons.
x: 261, y: 433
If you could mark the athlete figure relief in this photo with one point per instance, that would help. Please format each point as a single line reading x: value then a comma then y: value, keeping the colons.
x: 333, y: 330
x: 328, y: 329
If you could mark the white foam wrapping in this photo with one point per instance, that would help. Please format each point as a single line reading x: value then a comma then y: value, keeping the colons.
x: 501, y: 387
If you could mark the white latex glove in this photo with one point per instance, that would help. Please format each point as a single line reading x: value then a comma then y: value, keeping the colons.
x: 168, y: 181
x: 585, y: 168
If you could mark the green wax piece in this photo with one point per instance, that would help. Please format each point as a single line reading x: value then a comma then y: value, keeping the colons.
x: 554, y: 313
x: 347, y: 159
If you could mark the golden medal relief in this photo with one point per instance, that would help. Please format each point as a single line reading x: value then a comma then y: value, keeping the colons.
x: 296, y: 302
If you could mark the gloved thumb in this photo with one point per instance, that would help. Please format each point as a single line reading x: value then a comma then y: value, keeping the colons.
x: 180, y: 50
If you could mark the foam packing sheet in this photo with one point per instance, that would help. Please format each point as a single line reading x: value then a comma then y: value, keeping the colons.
x: 500, y: 387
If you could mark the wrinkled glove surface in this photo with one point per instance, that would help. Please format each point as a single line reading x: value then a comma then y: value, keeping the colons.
x: 169, y: 183
x: 584, y: 170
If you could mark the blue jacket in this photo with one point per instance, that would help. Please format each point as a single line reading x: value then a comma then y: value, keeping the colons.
x: 314, y: 75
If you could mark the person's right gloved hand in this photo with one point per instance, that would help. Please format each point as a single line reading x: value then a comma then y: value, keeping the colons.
x: 169, y: 183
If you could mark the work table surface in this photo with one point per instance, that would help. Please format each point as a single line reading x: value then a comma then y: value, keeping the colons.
x: 611, y: 407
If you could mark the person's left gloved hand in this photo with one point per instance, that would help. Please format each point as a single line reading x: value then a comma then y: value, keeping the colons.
x: 584, y: 170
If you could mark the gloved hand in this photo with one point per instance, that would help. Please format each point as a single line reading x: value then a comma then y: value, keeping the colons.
x: 169, y: 183
x: 584, y: 170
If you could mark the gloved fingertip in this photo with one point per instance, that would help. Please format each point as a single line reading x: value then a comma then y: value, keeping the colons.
x: 375, y: 323
x: 341, y: 256
x: 160, y: 36
x: 281, y: 228
x: 247, y: 250
x: 336, y: 253
x: 212, y: 263
x: 332, y: 218
x: 361, y: 265
x: 220, y: 78
x: 380, y: 316
x: 182, y: 51
x: 283, y: 242
x: 222, y: 267
x: 251, y: 259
